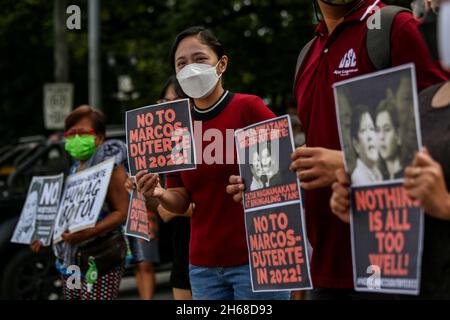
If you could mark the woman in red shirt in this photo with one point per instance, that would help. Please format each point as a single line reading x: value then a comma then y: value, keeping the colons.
x: 218, y: 257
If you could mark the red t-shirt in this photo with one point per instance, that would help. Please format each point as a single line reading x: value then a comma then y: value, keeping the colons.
x: 331, y: 264
x: 217, y: 225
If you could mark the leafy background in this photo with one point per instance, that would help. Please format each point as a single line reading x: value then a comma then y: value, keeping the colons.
x: 261, y: 37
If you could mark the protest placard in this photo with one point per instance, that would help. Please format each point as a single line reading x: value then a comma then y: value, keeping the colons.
x: 380, y: 133
x: 268, y: 178
x: 39, y: 211
x: 277, y: 248
x: 274, y: 220
x: 387, y: 229
x: 138, y: 224
x: 160, y: 139
x: 82, y: 199
x: 58, y: 103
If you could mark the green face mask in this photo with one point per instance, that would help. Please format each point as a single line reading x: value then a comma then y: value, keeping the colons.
x: 81, y: 148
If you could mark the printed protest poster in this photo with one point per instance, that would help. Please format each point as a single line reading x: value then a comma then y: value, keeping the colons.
x: 268, y: 178
x: 274, y: 220
x: 160, y: 138
x: 380, y: 133
x: 277, y: 246
x: 138, y: 223
x: 58, y: 103
x: 387, y: 229
x: 82, y: 199
x: 39, y: 211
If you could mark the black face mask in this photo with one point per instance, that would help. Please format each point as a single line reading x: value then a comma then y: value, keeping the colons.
x: 428, y: 29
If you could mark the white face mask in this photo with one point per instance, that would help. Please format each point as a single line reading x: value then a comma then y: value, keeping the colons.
x: 444, y: 33
x: 198, y: 80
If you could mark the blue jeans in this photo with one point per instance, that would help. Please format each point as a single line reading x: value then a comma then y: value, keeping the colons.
x: 227, y: 283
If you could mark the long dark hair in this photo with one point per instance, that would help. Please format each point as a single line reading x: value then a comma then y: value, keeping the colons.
x: 206, y: 36
x: 172, y: 81
x: 390, y: 107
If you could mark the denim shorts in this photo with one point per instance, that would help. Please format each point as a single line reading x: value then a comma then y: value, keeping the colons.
x: 227, y: 283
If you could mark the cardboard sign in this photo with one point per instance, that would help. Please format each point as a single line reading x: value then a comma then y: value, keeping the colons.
x: 160, y: 139
x: 39, y: 211
x: 387, y: 229
x: 380, y: 133
x: 277, y: 248
x: 268, y: 178
x: 274, y: 220
x: 82, y: 200
x: 138, y: 223
x: 58, y: 103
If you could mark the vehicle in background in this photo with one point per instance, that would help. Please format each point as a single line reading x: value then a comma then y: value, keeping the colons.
x: 25, y: 275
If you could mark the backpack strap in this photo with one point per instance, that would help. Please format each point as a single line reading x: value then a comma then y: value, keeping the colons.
x: 300, y: 59
x: 378, y: 41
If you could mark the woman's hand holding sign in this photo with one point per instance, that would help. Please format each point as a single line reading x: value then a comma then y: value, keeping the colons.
x: 36, y: 246
x: 425, y: 182
x: 148, y: 185
x: 236, y: 187
x: 176, y: 200
x: 340, y: 199
x: 316, y: 167
x: 129, y: 185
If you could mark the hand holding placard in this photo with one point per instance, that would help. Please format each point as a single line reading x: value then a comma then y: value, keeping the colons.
x: 316, y: 167
x: 236, y: 187
x: 160, y: 138
x: 340, y: 200
x: 148, y: 185
x: 425, y: 182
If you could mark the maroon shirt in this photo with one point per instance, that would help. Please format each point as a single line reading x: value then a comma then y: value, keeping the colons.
x: 331, y: 264
x: 217, y: 224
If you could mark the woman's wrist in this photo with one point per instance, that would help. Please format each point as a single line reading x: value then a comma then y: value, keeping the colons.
x: 94, y: 231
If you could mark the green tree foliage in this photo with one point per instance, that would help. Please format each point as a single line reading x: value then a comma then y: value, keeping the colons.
x: 261, y: 37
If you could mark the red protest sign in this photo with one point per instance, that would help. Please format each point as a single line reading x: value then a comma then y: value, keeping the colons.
x: 277, y: 249
x: 379, y: 134
x: 268, y: 178
x: 387, y: 230
x: 274, y: 221
x: 159, y: 138
x: 138, y: 224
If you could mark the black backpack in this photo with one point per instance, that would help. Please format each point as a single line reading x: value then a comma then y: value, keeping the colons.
x: 378, y: 41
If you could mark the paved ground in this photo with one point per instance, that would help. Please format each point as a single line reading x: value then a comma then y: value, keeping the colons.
x: 128, y: 289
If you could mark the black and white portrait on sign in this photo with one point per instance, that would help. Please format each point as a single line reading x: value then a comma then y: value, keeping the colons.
x: 377, y: 117
x: 39, y: 210
x: 26, y: 227
x: 265, y: 170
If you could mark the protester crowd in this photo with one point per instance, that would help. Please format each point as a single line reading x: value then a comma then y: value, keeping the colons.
x: 210, y: 251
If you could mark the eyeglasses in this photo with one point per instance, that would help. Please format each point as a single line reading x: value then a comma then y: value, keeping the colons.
x: 80, y: 132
